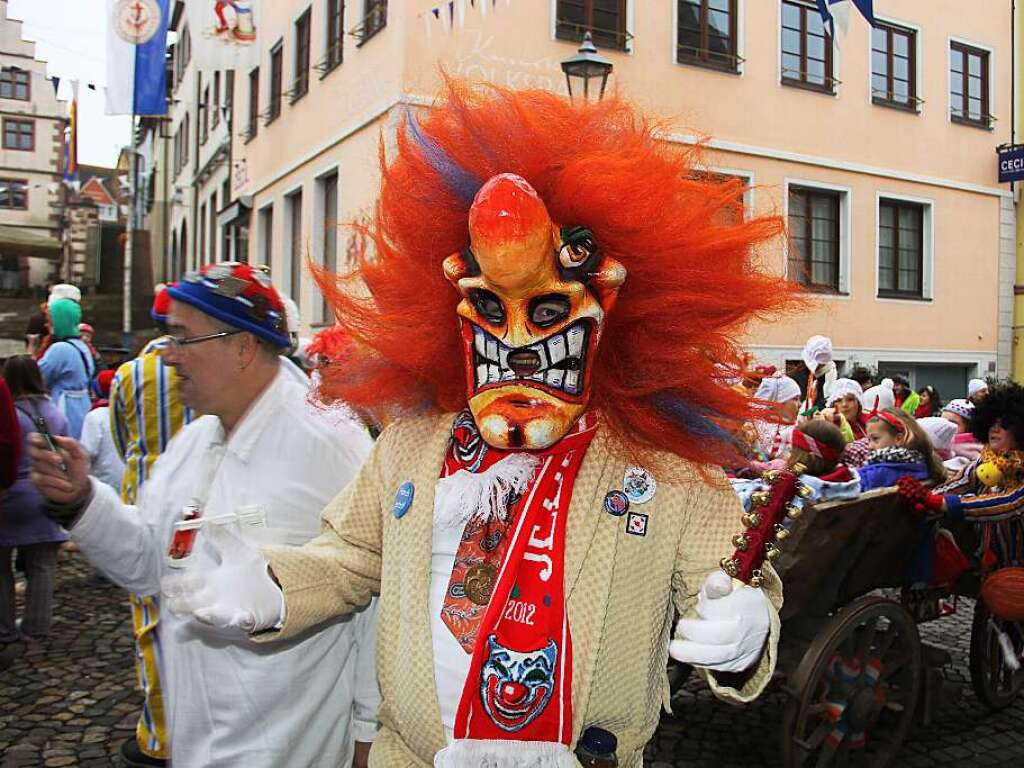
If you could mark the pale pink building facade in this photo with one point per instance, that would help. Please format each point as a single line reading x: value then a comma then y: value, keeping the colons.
x: 887, y: 144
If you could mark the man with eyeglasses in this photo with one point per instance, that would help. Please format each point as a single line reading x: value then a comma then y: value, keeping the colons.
x: 146, y: 411
x: 262, y: 464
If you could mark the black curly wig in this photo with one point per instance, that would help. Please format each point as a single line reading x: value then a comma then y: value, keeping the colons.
x: 1004, y: 404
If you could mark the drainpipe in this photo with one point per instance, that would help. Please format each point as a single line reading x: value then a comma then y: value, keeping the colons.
x: 1017, y: 332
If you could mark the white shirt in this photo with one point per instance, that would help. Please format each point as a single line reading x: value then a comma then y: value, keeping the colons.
x: 298, y: 703
x: 98, y: 442
x: 451, y: 662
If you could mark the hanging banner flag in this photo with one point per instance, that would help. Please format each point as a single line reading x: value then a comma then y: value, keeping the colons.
x: 835, y: 14
x: 136, y: 44
x: 225, y: 33
x: 71, y: 139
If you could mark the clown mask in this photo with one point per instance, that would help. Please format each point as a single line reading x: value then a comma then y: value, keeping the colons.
x: 535, y: 297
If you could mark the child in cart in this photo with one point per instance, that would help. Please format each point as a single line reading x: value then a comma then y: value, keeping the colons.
x: 899, y: 448
x: 814, y: 453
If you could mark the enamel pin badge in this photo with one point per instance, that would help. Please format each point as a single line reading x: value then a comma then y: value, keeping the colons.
x: 639, y: 485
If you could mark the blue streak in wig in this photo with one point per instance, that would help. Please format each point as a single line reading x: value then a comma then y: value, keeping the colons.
x: 460, y: 181
x: 692, y: 418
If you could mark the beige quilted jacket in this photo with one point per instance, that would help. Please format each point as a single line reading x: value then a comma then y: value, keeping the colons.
x: 621, y: 589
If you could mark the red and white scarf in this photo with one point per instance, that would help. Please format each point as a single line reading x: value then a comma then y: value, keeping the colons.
x: 516, y: 705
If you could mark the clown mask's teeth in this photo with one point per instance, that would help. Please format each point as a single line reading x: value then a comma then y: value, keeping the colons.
x: 556, y: 349
x: 576, y: 336
x: 560, y: 360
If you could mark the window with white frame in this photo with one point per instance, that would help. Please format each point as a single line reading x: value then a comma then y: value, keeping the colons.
x: 894, y: 66
x: 806, y: 48
x: 294, y: 241
x: 904, y: 248
x: 325, y: 223
x: 969, y: 87
x: 707, y: 33
x: 818, y: 254
x: 266, y: 235
x: 605, y: 20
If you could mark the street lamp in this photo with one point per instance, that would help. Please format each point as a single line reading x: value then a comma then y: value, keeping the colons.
x: 585, y: 66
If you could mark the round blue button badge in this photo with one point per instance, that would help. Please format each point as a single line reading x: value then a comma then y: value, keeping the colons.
x: 403, y: 500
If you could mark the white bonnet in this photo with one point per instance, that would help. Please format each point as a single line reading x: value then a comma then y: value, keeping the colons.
x: 777, y: 388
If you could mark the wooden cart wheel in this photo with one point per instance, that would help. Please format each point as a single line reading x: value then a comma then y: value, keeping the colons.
x: 855, y: 689
x: 996, y: 684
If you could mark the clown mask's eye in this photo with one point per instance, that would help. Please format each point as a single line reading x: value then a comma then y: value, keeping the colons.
x: 545, y: 311
x: 488, y: 305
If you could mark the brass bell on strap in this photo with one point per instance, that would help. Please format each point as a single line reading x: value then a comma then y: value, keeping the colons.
x: 730, y: 566
x: 771, y: 476
x: 756, y: 578
x: 760, y: 498
x: 772, y: 552
x: 804, y: 491
x: 751, y: 519
x: 741, y: 542
x: 793, y: 511
x: 781, y: 532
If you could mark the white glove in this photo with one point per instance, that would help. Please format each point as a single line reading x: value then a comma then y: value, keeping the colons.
x: 227, y: 586
x: 730, y: 632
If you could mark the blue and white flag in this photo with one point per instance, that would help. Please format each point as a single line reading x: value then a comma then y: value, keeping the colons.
x: 835, y: 14
x: 136, y: 46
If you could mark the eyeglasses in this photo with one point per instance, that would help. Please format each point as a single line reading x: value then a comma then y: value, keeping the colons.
x: 177, y: 342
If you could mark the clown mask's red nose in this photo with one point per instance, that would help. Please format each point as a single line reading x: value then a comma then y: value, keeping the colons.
x: 511, y: 234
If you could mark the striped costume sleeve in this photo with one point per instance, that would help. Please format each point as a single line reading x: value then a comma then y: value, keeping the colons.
x: 989, y: 508
x: 963, y: 482
x: 128, y: 426
x: 116, y: 415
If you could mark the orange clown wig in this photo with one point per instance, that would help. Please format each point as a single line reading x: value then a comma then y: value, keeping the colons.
x: 669, y: 347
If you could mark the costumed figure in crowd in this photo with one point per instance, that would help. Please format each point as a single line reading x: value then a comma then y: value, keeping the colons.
x: 977, y: 390
x: 769, y: 435
x: 98, y: 435
x: 941, y: 432
x: 843, y: 408
x: 821, y: 373
x: 907, y: 400
x: 67, y: 365
x: 966, y: 447
x: 989, y: 492
x: 86, y: 333
x: 873, y: 400
x: 551, y: 495
x: 261, y: 462
x: 23, y: 525
x: 930, y: 402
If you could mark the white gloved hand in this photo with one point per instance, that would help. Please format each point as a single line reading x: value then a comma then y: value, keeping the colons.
x: 227, y: 586
x: 730, y: 632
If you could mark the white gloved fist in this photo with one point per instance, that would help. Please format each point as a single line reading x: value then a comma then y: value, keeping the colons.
x: 731, y: 630
x: 227, y: 586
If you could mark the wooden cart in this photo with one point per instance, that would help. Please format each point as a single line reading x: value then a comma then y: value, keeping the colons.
x: 851, y: 660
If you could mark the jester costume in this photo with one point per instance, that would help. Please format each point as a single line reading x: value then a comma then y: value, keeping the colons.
x: 547, y: 498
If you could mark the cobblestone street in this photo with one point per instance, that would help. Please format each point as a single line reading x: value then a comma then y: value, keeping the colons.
x: 72, y: 700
